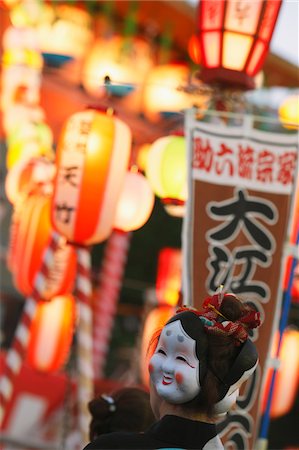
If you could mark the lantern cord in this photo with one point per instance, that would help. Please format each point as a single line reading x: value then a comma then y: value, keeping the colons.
x: 287, y: 298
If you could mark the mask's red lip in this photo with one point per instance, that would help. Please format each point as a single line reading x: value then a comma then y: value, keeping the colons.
x: 166, y: 381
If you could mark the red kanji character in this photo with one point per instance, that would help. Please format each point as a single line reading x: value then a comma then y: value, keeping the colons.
x: 246, y: 160
x: 265, y: 166
x: 287, y: 163
x: 203, y: 155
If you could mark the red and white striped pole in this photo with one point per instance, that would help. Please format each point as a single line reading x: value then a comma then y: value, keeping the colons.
x: 84, y: 336
x: 17, y: 351
x: 107, y: 294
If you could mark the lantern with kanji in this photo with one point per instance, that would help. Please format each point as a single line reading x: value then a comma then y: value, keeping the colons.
x: 168, y: 282
x: 135, y: 203
x: 31, y: 237
x: 234, y: 39
x: 92, y: 159
x: 166, y: 170
x: 51, y: 334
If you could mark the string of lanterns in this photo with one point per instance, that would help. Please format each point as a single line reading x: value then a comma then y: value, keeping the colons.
x: 84, y: 191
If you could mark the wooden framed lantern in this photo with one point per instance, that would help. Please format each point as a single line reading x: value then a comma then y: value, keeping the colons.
x: 234, y: 39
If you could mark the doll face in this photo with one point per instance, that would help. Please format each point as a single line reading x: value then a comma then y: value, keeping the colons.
x: 174, y: 367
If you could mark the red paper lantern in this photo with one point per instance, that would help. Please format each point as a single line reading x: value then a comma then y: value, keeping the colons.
x: 168, y: 283
x: 51, y: 334
x: 135, y: 203
x: 194, y: 49
x: 29, y: 242
x: 92, y: 159
x: 235, y: 38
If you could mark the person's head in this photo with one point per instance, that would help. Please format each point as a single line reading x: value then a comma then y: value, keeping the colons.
x: 127, y: 409
x: 201, y: 358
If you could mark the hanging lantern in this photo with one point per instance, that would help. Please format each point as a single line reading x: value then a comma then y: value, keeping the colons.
x: 27, y: 176
x: 51, y: 334
x: 30, y: 240
x: 135, y: 203
x: 117, y: 65
x: 92, y: 159
x: 168, y: 283
x: 194, y: 49
x: 64, y: 32
x: 27, y: 140
x: 142, y: 156
x: 166, y: 170
x: 235, y: 38
x: 164, y: 91
x: 154, y: 321
x: 287, y: 380
x: 289, y: 112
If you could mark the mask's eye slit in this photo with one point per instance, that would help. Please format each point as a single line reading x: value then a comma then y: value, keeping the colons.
x: 181, y: 358
x: 161, y: 351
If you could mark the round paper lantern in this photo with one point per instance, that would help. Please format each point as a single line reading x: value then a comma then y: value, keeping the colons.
x: 67, y: 32
x: 135, y: 203
x: 122, y: 61
x: 21, y: 87
x: 142, y: 156
x: 163, y: 91
x: 289, y: 112
x: 154, y: 321
x: 166, y: 170
x: 92, y: 159
x: 31, y: 238
x: 29, y: 139
x: 26, y: 176
x: 51, y: 334
x: 194, y: 49
x: 169, y: 274
x: 287, y: 379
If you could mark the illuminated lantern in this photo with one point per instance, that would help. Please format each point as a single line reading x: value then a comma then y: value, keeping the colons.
x: 166, y: 170
x: 64, y: 32
x: 33, y: 233
x: 234, y: 39
x: 194, y: 49
x: 27, y: 140
x: 51, y: 334
x: 289, y: 112
x: 287, y: 378
x: 168, y: 283
x: 164, y: 91
x: 142, y: 156
x: 135, y: 203
x: 26, y: 175
x: 122, y: 61
x: 92, y: 159
x: 154, y: 321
